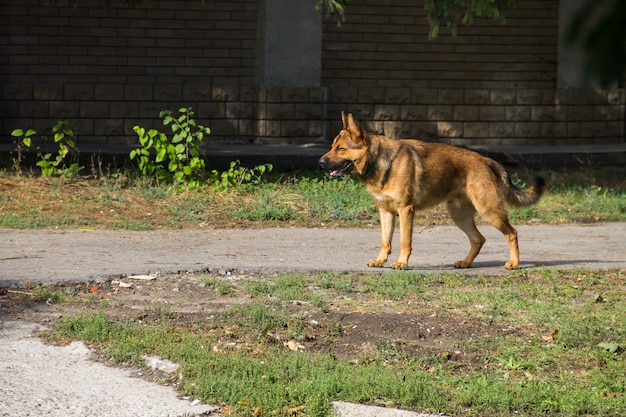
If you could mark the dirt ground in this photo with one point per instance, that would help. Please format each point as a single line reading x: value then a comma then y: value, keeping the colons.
x: 352, y: 332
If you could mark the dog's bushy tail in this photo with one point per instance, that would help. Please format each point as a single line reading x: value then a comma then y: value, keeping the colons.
x: 515, y: 196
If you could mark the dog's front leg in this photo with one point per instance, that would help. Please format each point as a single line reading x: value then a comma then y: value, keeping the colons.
x: 387, y: 223
x: 406, y: 215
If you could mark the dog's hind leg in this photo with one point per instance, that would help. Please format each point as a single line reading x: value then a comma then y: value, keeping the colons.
x: 462, y: 213
x: 500, y: 219
x: 492, y: 207
x: 501, y: 222
x: 387, y: 224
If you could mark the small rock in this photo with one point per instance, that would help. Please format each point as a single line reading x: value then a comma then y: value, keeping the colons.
x: 159, y: 364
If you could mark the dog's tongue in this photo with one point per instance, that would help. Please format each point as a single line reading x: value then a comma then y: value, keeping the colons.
x: 338, y: 172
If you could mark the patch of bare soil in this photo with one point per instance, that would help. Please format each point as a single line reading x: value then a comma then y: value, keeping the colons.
x: 359, y: 329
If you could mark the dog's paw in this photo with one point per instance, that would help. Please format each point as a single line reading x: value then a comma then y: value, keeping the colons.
x: 462, y: 265
x: 375, y: 263
x: 511, y: 265
x: 399, y: 265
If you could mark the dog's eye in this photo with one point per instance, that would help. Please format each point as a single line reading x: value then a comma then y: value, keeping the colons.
x: 339, y: 148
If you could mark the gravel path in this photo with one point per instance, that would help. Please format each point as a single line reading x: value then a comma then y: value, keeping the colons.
x: 50, y: 256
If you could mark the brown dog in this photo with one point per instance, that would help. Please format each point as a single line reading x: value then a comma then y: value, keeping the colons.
x: 403, y: 176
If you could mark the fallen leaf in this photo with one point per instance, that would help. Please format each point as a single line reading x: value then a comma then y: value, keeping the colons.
x: 295, y: 410
x: 227, y: 409
x: 549, y: 337
x: 294, y: 346
x: 94, y: 289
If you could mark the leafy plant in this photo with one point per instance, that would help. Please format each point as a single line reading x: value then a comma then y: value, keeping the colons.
x: 22, y: 139
x: 177, y: 159
x: 63, y: 137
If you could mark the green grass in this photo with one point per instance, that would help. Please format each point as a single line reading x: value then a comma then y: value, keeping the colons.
x: 584, y: 195
x: 123, y: 201
x: 561, y: 350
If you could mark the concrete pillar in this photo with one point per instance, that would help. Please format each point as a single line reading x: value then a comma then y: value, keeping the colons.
x: 290, y: 50
x: 570, y: 71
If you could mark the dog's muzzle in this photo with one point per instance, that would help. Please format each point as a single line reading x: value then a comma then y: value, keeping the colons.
x: 336, y: 170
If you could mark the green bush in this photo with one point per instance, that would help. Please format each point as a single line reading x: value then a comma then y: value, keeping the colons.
x: 179, y: 159
x: 176, y: 159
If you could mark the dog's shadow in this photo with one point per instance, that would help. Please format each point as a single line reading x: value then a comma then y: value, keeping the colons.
x: 490, y: 265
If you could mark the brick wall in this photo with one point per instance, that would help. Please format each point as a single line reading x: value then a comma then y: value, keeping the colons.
x: 491, y: 85
x: 108, y: 69
x: 384, y: 44
x: 486, y: 117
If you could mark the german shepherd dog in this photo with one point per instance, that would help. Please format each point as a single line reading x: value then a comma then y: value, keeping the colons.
x: 403, y: 176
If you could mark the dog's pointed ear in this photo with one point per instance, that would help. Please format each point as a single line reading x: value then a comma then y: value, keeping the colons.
x: 343, y: 120
x: 352, y: 126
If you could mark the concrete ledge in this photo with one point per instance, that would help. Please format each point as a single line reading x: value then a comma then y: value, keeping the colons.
x: 287, y: 158
x: 557, y: 157
x: 344, y: 409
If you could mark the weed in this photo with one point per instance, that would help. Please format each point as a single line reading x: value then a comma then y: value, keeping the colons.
x: 49, y: 294
x: 176, y: 159
x: 223, y: 287
x: 63, y: 138
x: 23, y: 139
x: 237, y: 176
